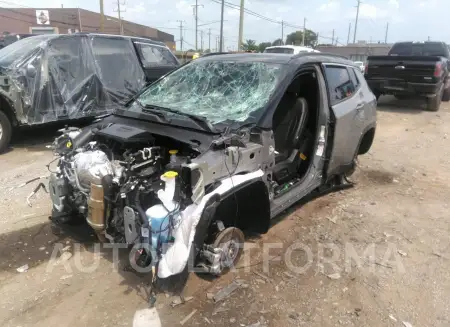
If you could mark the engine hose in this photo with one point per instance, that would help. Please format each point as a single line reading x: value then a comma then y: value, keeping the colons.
x: 137, y: 203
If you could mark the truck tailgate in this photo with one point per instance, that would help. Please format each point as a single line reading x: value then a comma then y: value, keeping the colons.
x: 413, y: 69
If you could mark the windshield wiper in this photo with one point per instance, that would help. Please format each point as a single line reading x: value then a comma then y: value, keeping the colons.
x: 203, y: 122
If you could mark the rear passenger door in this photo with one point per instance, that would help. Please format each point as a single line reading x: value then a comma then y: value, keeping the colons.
x: 347, y: 105
x: 156, y: 60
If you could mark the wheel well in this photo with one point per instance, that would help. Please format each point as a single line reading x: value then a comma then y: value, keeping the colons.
x: 7, y: 109
x: 366, y: 141
x: 247, y: 208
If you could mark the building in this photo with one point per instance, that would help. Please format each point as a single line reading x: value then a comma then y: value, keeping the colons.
x: 72, y: 20
x: 357, y: 51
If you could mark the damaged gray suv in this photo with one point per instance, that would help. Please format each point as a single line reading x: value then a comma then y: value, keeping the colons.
x: 213, y: 149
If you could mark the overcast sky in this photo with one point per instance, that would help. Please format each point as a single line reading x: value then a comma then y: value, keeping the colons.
x: 408, y: 19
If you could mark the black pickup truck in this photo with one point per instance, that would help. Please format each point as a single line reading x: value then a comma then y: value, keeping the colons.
x: 411, y: 70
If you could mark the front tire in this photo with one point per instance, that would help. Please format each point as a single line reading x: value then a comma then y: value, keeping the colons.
x: 446, y: 95
x: 5, y: 131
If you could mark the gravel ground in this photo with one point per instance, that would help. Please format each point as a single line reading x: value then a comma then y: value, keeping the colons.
x: 380, y: 252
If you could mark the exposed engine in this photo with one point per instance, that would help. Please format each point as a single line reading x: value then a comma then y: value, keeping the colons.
x: 129, y: 186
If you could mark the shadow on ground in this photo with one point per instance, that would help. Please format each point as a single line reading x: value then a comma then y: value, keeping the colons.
x: 410, y: 106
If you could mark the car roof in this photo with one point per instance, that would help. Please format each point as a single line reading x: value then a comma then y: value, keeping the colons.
x: 134, y: 38
x: 297, y: 48
x: 279, y: 58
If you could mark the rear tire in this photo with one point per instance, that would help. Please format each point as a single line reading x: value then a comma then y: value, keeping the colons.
x: 434, y: 103
x: 446, y: 95
x: 5, y: 131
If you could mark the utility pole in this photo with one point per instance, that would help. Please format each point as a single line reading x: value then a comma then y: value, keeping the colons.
x: 209, y: 40
x: 304, y: 31
x: 429, y: 38
x: 196, y: 21
x: 217, y: 43
x: 241, y: 26
x: 356, y: 22
x: 181, y: 34
x: 349, y: 30
x: 387, y: 29
x: 221, y: 26
x: 102, y: 17
x: 332, y: 38
x: 282, y: 32
x: 336, y: 42
x: 120, y: 11
x: 201, y: 41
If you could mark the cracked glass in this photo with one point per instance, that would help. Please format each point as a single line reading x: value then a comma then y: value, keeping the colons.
x: 217, y: 90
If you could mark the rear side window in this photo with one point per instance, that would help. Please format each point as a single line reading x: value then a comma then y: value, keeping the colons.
x: 340, y: 85
x: 354, y: 78
x: 152, y: 55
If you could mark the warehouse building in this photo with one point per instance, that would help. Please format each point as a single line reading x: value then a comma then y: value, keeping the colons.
x: 73, y: 20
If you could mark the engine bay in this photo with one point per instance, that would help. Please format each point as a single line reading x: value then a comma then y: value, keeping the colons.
x: 128, y: 184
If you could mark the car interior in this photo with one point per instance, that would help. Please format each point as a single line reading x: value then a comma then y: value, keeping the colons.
x: 295, y: 125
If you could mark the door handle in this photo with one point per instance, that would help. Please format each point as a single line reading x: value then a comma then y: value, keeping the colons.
x: 360, y: 106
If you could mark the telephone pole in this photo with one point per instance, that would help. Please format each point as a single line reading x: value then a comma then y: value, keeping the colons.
x: 387, y: 29
x: 181, y: 34
x: 304, y: 31
x: 119, y: 12
x: 332, y: 38
x: 102, y: 17
x: 241, y: 26
x: 349, y: 30
x: 336, y: 42
x: 356, y: 22
x: 201, y: 41
x: 196, y: 21
x: 209, y: 40
x: 221, y: 26
x: 282, y: 32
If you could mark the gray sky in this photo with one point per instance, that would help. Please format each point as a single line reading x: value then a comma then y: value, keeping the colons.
x: 408, y: 19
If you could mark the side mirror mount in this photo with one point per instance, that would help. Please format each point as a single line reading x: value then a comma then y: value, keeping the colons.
x: 31, y: 71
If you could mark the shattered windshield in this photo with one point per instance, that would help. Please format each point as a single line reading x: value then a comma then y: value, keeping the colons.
x: 21, y: 48
x: 217, y: 90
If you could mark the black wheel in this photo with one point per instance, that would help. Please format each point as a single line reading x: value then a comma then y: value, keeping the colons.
x: 5, y: 131
x: 231, y: 241
x: 434, y: 103
x: 446, y: 95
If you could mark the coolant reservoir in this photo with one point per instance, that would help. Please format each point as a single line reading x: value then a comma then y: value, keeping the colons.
x: 173, y: 156
x: 159, y: 215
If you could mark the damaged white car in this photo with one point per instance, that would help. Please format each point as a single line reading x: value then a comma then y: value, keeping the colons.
x: 211, y: 150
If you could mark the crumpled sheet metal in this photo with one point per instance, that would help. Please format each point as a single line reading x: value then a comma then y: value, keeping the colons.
x: 75, y: 76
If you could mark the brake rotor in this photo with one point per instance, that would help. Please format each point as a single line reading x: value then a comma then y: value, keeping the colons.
x: 231, y: 241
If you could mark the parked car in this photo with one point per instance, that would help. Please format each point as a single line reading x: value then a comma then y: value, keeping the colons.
x: 411, y: 70
x: 361, y: 66
x: 289, y: 49
x: 49, y: 78
x: 6, y: 40
x: 217, y: 147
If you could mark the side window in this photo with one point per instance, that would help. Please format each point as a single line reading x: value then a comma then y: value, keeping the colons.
x: 354, y: 78
x: 119, y: 67
x: 340, y: 85
x: 152, y: 55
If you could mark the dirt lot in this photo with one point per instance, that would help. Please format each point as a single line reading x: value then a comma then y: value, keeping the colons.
x: 398, y: 211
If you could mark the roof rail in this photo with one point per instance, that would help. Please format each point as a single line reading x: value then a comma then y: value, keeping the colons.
x: 328, y: 54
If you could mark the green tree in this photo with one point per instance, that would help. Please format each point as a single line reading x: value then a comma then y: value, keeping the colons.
x: 277, y: 42
x: 249, y: 45
x: 262, y: 46
x: 296, y: 38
